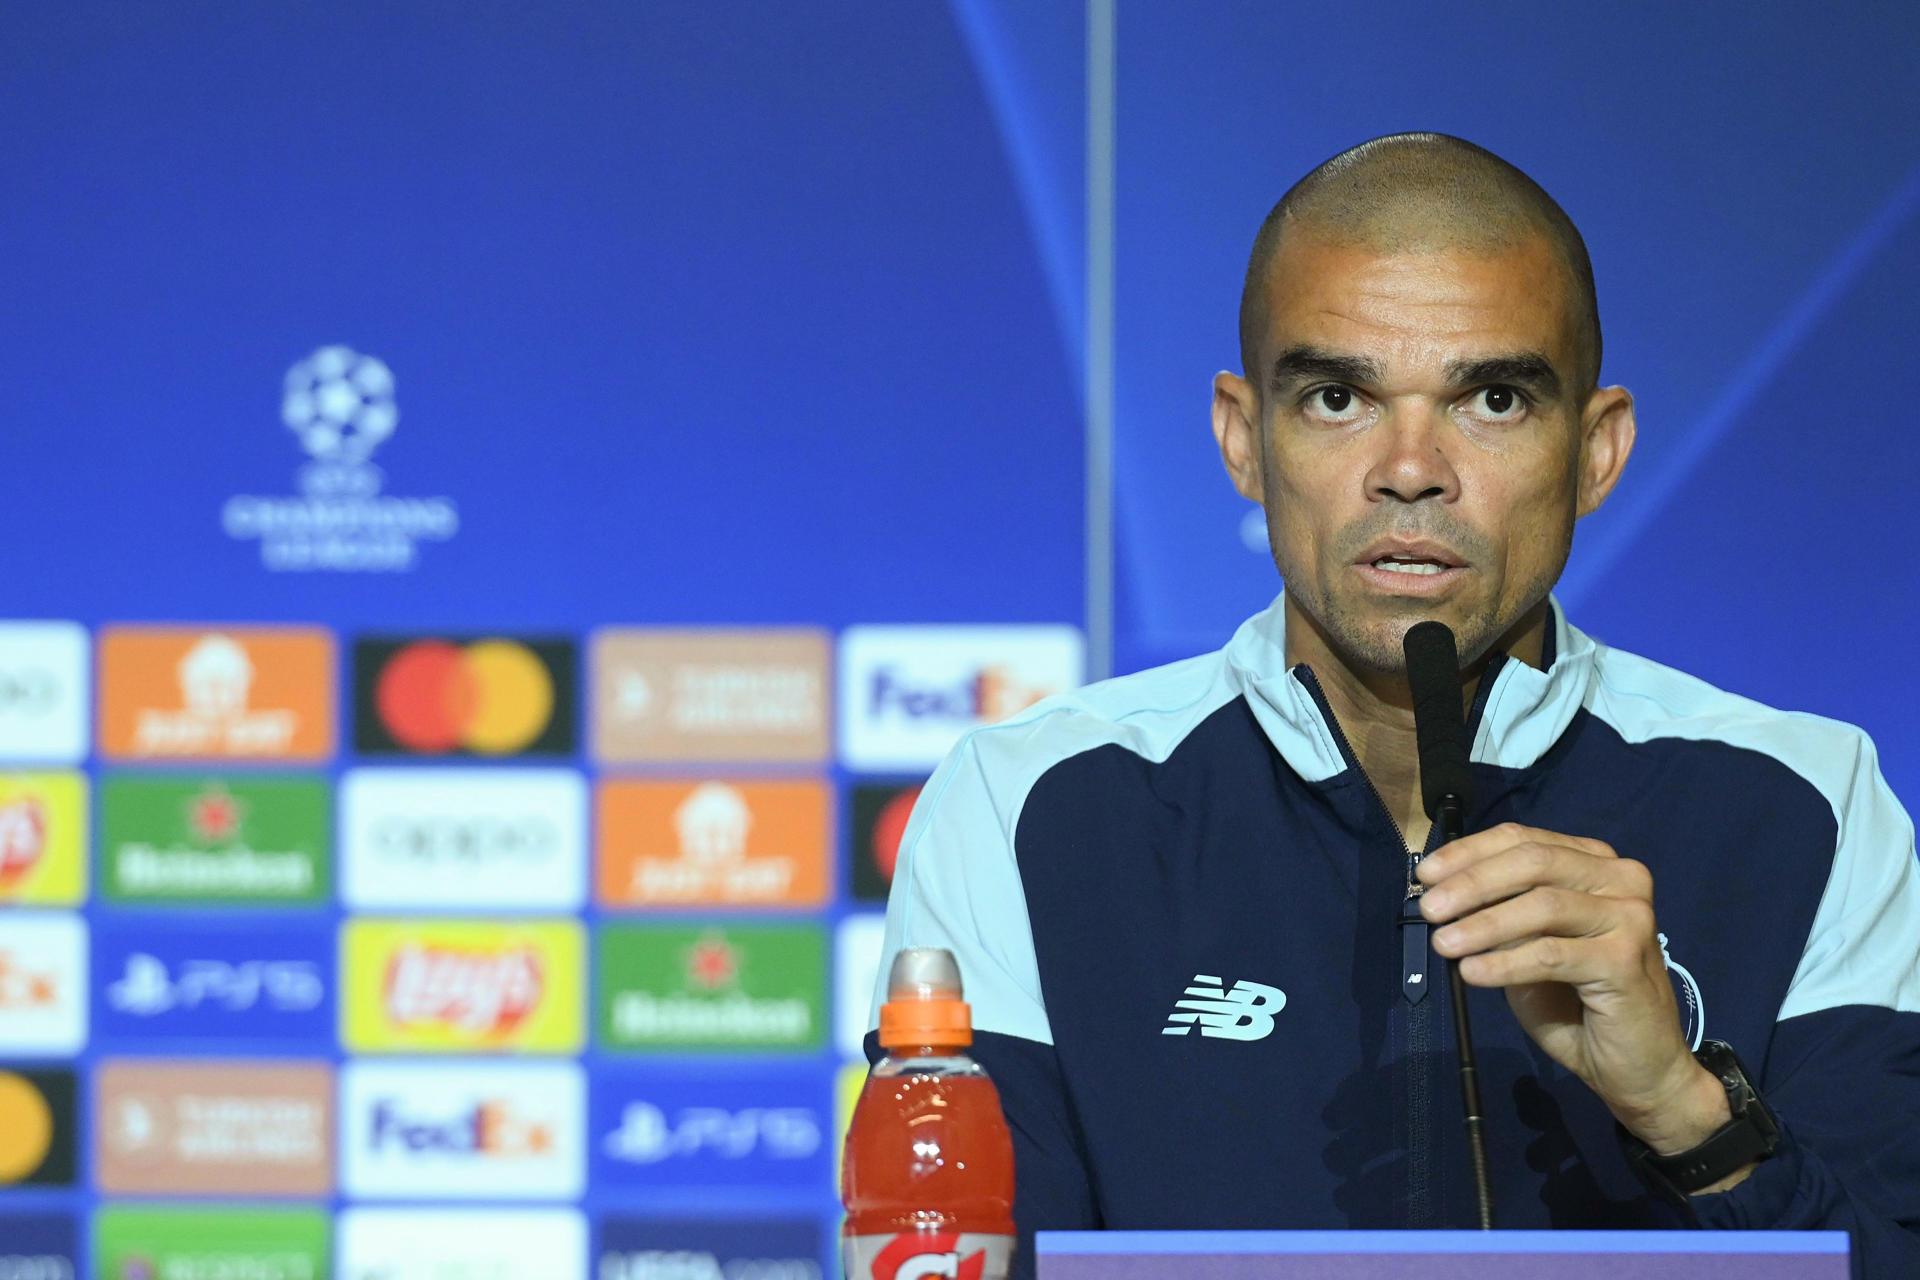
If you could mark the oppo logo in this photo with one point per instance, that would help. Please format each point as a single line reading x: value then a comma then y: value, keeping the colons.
x: 465, y: 840
x: 28, y: 691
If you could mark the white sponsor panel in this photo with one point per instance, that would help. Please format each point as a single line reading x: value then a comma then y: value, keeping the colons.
x: 462, y: 1244
x: 44, y: 704
x: 472, y: 1130
x: 43, y: 983
x: 856, y: 971
x: 907, y: 693
x: 464, y: 839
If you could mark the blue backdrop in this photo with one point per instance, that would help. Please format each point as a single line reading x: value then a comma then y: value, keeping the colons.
x: 774, y: 314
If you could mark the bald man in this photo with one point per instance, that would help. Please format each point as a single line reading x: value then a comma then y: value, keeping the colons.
x: 1197, y: 909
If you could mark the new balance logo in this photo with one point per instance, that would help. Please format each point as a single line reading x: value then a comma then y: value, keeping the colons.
x: 1244, y: 1013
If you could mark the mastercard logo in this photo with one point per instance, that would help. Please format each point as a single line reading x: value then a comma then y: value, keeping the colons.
x: 487, y: 697
x: 36, y: 1128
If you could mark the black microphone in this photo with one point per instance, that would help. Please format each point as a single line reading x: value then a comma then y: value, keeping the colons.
x: 1446, y: 790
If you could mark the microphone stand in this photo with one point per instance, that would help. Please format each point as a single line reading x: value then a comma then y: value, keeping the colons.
x: 1446, y: 789
x: 1452, y: 823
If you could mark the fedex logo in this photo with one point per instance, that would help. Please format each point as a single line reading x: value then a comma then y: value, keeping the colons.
x: 493, y: 1129
x: 473, y: 1130
x: 980, y: 697
x: 907, y: 693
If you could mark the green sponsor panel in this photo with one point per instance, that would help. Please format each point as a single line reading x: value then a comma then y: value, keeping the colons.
x: 240, y: 840
x: 174, y: 1243
x: 738, y: 987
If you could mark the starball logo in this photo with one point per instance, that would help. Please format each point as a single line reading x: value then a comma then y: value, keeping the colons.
x: 339, y: 404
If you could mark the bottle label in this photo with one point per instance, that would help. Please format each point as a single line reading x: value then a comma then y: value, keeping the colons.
x: 927, y: 1255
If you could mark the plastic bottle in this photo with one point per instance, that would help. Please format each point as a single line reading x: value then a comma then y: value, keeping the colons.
x: 927, y: 1177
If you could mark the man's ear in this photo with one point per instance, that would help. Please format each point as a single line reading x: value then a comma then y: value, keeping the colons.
x: 1606, y: 438
x: 1236, y: 429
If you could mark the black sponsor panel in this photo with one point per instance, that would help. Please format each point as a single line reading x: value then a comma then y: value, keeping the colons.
x: 880, y: 811
x: 37, y: 1110
x: 488, y: 697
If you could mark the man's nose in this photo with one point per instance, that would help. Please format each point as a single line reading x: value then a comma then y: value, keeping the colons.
x: 1412, y: 462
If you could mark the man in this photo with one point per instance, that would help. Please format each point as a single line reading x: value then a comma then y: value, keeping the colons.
x: 1177, y: 897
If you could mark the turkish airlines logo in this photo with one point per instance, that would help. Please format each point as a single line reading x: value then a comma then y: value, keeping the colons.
x: 1244, y: 1013
x: 482, y: 993
x: 486, y: 697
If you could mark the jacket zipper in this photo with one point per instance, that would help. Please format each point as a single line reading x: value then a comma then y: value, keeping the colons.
x: 1415, y: 953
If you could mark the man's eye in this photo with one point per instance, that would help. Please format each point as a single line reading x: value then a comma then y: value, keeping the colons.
x: 1500, y: 402
x: 1336, y: 399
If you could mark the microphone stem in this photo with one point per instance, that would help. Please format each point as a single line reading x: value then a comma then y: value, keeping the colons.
x: 1452, y: 824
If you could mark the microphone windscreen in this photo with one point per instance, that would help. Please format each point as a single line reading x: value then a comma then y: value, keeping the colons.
x: 1440, y: 727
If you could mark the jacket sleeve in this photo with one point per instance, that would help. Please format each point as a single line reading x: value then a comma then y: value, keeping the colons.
x: 1843, y: 1071
x: 957, y: 885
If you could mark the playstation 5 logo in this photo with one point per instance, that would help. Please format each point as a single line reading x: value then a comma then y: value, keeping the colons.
x: 1244, y: 1013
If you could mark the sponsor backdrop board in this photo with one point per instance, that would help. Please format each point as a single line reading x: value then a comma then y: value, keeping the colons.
x: 481, y: 605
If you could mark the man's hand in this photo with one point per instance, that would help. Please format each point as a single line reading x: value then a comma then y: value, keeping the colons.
x: 1567, y: 927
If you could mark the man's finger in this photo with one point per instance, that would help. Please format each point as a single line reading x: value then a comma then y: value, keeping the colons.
x: 1481, y: 845
x: 1543, y: 910
x: 1516, y: 870
x: 1606, y: 960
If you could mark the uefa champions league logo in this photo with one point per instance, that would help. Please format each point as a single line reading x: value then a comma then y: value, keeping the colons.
x: 339, y: 404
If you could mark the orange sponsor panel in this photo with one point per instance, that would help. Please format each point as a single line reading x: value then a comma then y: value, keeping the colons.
x: 216, y: 693
x: 718, y: 842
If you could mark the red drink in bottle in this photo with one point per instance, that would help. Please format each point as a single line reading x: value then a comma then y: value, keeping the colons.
x: 927, y: 1178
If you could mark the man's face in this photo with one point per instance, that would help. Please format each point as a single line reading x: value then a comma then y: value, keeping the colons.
x: 1418, y: 440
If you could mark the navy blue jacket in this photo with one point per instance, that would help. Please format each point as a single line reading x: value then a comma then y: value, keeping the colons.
x: 1175, y: 900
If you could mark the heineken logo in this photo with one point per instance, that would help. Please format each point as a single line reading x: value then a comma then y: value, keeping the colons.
x: 234, y: 839
x: 743, y: 987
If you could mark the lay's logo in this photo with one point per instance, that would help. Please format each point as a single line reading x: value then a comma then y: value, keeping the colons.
x: 484, y: 993
x: 460, y: 986
x: 43, y: 838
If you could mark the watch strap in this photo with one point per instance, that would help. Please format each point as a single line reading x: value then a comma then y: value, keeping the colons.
x: 1751, y: 1135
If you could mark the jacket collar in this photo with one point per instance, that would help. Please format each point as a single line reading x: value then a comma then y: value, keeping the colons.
x: 1523, y: 712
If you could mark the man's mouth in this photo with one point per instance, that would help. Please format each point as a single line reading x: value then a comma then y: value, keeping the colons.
x: 1410, y: 565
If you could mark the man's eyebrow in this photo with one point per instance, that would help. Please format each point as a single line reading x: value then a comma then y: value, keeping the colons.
x: 1528, y: 370
x: 1302, y: 364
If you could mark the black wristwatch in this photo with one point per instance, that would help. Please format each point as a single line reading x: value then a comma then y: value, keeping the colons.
x: 1751, y: 1135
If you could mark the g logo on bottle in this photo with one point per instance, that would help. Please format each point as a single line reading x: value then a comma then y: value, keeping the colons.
x: 922, y: 1255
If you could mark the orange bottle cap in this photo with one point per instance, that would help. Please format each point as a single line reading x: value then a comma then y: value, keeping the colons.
x: 924, y: 1004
